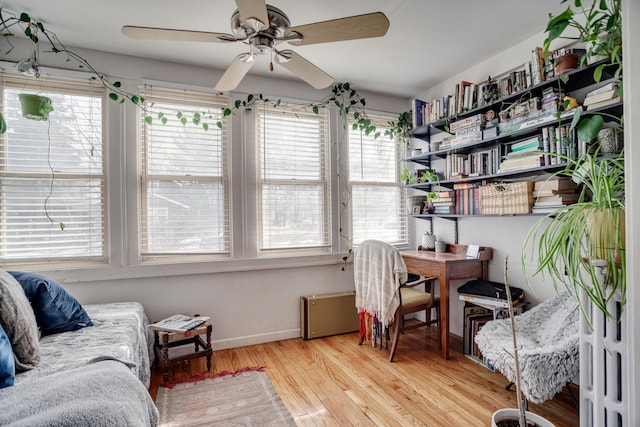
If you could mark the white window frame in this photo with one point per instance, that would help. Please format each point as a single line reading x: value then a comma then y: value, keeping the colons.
x: 371, y: 230
x: 77, y: 234
x: 211, y: 108
x: 295, y: 111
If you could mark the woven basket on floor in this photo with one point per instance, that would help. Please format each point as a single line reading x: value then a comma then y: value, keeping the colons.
x: 506, y: 198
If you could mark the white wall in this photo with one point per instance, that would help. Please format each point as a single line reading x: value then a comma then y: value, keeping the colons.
x: 249, y: 299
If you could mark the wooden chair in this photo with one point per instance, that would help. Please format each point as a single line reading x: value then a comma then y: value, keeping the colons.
x: 383, y: 293
x: 414, y: 301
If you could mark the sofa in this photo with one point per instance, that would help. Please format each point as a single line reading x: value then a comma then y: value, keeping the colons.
x: 65, y: 364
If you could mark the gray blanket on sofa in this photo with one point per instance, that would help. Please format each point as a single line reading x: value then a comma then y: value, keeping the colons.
x: 104, y: 393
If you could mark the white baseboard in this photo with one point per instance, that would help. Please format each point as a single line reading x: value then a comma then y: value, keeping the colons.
x: 255, y: 339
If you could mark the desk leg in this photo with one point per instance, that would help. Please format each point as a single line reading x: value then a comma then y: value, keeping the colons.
x: 444, y: 315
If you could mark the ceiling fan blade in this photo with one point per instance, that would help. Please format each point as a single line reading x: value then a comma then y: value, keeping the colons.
x: 236, y: 72
x: 253, y: 9
x: 350, y: 28
x: 150, y: 33
x: 303, y: 69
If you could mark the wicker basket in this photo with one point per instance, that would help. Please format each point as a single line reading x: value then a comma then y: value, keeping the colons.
x: 506, y: 198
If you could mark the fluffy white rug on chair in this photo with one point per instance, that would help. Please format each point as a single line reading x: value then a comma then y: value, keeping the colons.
x: 548, y: 347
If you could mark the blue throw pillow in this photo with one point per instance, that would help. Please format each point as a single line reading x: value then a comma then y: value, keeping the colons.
x: 7, y: 363
x: 56, y: 310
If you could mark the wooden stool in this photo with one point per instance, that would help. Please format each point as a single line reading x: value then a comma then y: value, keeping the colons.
x: 164, y: 340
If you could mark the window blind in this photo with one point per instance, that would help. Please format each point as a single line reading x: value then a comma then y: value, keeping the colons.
x: 377, y: 201
x: 293, y: 205
x: 52, y: 172
x: 184, y: 177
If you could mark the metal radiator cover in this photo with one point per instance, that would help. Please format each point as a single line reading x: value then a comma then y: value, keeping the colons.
x: 328, y: 314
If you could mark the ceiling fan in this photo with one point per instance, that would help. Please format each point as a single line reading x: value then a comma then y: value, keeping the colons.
x: 263, y: 27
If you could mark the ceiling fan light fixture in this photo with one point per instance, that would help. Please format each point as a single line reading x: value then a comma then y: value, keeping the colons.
x: 248, y: 57
x: 263, y: 28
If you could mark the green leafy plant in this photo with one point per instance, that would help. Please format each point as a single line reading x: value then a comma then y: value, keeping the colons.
x: 401, y: 128
x: 37, y: 32
x: 579, y: 241
x: 407, y: 176
x: 599, y: 26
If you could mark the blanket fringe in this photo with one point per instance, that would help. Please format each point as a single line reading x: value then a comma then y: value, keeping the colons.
x: 199, y: 377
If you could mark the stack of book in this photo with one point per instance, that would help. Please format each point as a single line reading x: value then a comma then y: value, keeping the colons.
x: 551, y: 195
x: 525, y: 154
x: 466, y: 131
x: 444, y: 203
x: 551, y: 99
x: 602, y: 96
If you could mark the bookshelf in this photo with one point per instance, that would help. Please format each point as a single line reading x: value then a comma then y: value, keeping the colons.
x: 476, y: 156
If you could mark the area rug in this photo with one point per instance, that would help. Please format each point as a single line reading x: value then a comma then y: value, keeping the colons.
x: 241, y: 398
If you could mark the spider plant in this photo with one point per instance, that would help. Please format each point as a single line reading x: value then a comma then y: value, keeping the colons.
x: 578, y: 242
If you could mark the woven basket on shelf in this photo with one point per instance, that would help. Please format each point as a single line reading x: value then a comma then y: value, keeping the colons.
x: 506, y: 198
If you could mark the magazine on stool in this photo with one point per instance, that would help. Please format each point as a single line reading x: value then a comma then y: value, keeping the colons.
x: 179, y: 323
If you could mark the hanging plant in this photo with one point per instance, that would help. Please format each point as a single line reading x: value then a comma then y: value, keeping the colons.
x: 35, y: 107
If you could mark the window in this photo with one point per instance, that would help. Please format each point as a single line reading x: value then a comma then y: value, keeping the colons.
x: 184, y: 182
x: 52, y: 173
x: 377, y: 201
x: 293, y: 178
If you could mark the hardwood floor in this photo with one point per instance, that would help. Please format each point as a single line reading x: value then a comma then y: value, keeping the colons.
x: 335, y: 382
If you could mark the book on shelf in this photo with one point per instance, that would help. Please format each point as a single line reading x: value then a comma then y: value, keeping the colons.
x: 556, y: 199
x: 545, y: 209
x: 537, y: 65
x: 553, y: 186
x: 604, y: 103
x: 418, y: 112
x: 536, y: 159
x: 179, y: 323
x: 475, y: 120
x: 603, y: 96
x: 611, y: 85
x: 444, y: 210
x: 526, y: 144
x: 471, y: 329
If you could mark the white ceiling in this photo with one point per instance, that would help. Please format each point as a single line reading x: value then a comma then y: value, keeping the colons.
x: 427, y: 41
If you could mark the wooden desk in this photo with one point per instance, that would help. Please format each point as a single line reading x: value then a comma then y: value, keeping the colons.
x: 447, y: 266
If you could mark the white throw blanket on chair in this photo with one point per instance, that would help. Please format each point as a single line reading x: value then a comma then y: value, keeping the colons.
x: 378, y: 271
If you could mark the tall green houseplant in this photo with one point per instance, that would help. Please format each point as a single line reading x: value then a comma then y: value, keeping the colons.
x: 579, y: 241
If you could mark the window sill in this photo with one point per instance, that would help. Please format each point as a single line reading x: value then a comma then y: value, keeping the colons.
x: 104, y: 272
